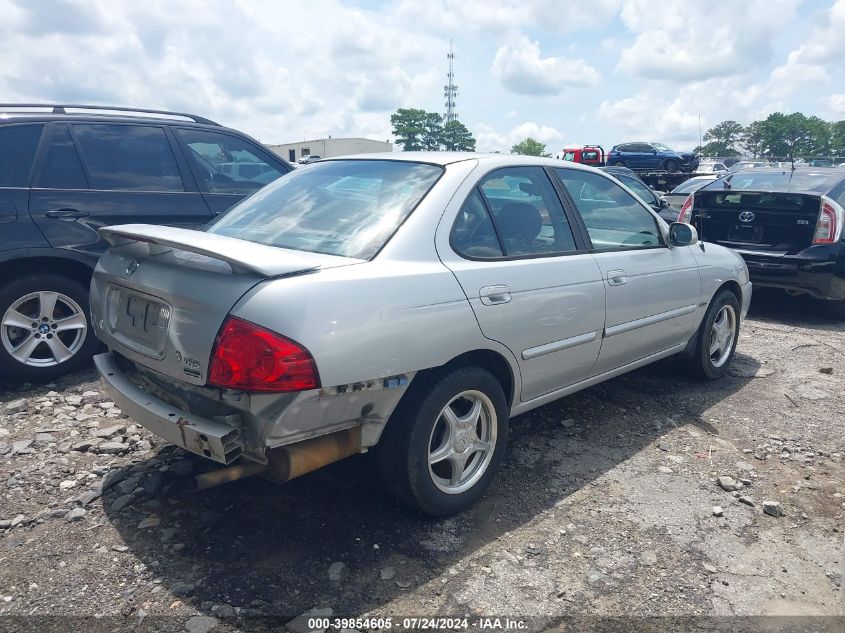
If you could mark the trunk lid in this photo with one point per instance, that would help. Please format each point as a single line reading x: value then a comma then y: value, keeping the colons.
x: 775, y: 222
x: 159, y: 295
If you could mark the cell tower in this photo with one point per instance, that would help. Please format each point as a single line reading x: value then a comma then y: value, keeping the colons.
x: 450, y: 90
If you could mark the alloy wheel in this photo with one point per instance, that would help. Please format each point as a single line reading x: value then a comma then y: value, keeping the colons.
x: 462, y: 442
x: 43, y: 329
x: 722, y: 334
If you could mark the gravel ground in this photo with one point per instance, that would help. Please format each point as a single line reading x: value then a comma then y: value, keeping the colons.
x: 609, y: 503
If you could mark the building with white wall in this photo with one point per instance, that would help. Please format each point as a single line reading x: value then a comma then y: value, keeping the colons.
x: 329, y: 147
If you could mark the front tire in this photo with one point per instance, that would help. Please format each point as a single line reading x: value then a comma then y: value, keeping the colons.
x: 717, y: 337
x: 671, y: 166
x: 44, y: 327
x: 443, y: 444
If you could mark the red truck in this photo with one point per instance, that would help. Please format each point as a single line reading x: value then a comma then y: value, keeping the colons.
x: 586, y: 154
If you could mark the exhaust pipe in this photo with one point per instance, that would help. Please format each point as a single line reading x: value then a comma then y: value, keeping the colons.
x: 225, y: 475
x: 288, y: 462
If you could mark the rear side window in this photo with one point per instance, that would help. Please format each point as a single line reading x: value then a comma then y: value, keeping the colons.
x: 473, y: 234
x: 17, y: 151
x: 347, y: 207
x: 228, y: 164
x: 613, y: 217
x: 62, y: 168
x: 128, y: 157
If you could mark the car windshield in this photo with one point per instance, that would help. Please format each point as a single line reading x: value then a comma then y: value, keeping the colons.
x: 773, y: 180
x: 691, y: 185
x: 348, y: 208
x: 661, y: 147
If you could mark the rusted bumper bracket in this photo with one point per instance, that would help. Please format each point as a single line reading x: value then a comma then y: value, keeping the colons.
x: 199, y: 435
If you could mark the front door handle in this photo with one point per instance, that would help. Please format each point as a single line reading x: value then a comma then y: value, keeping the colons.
x: 493, y: 295
x: 616, y: 278
x: 66, y: 214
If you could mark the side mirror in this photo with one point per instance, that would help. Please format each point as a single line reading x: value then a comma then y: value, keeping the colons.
x: 682, y: 234
x: 664, y: 203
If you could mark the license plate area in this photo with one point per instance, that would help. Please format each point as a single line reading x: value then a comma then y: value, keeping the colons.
x: 137, y: 320
x: 745, y: 233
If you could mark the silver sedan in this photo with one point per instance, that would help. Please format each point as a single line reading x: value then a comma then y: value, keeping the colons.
x: 405, y: 303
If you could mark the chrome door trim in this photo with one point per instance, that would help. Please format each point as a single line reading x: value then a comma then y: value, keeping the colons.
x: 556, y: 346
x: 649, y: 320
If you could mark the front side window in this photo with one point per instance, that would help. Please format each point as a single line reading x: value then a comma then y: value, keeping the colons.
x: 613, y: 217
x: 638, y: 188
x: 527, y: 212
x: 569, y: 156
x: 226, y: 163
x: 347, y: 207
x: 128, y: 157
x: 17, y: 151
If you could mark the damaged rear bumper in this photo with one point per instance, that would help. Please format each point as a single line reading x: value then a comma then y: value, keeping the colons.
x: 214, y: 440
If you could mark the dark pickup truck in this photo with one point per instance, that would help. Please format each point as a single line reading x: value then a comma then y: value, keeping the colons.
x: 786, y: 224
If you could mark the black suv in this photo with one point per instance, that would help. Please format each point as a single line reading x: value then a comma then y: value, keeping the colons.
x: 67, y: 170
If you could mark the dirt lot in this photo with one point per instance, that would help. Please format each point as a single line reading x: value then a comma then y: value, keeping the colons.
x: 605, y: 505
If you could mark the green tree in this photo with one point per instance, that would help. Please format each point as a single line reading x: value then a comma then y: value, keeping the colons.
x: 752, y: 139
x: 529, y: 147
x: 457, y: 138
x: 432, y: 137
x: 722, y: 139
x: 821, y: 133
x: 409, y: 128
x: 786, y: 135
x: 837, y: 138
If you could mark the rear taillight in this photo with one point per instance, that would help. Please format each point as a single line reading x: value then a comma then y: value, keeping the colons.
x: 686, y: 210
x: 247, y: 357
x: 829, y: 224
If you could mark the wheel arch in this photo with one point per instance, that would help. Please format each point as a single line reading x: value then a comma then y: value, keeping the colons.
x: 487, y: 359
x: 73, y: 268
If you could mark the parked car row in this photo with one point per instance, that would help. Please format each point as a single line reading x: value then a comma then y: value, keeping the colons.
x: 67, y: 171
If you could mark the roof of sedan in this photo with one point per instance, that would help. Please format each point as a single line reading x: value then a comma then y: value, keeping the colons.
x: 447, y: 158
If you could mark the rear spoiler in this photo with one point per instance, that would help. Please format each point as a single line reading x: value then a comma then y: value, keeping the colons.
x: 243, y: 257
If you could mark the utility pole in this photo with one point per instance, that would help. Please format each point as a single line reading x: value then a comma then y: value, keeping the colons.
x: 450, y: 90
x: 700, y: 151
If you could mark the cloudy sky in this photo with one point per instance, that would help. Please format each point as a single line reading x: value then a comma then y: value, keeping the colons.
x: 578, y: 71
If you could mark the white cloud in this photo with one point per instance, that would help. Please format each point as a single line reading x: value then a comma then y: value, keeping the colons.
x: 826, y: 43
x: 519, y: 68
x: 254, y: 65
x: 835, y: 105
x: 512, y: 15
x: 489, y: 140
x: 687, y: 41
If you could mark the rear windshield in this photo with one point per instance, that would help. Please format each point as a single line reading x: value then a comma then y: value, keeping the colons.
x: 348, y: 207
x: 691, y: 185
x: 778, y: 180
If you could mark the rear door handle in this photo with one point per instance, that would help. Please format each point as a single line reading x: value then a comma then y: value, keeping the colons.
x: 616, y: 278
x: 66, y: 214
x: 493, y: 295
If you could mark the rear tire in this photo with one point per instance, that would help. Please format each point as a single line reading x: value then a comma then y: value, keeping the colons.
x: 836, y: 310
x: 717, y: 337
x: 670, y: 165
x: 618, y: 163
x: 439, y: 462
x: 44, y: 327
